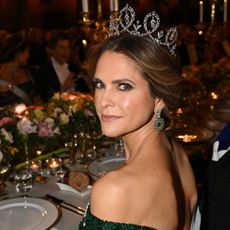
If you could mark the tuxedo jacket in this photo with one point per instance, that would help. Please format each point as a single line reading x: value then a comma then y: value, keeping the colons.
x: 216, y: 202
x: 47, y: 82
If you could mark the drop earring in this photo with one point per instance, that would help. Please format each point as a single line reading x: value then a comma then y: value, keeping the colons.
x: 159, y: 123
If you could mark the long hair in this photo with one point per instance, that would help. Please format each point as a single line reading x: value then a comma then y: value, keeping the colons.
x: 13, y: 46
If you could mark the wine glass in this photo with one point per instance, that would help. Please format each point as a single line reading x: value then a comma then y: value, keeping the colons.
x: 4, y: 169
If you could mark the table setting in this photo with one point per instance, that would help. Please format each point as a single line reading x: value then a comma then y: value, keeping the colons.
x: 53, y: 202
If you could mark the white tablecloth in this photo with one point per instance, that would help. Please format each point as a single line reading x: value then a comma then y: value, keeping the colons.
x: 69, y: 220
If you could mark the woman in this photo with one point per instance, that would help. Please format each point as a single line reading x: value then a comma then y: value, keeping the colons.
x: 16, y: 83
x: 136, y: 81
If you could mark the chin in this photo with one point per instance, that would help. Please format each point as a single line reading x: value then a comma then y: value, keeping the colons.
x: 111, y: 132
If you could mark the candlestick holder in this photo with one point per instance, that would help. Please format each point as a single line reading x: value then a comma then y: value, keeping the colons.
x: 97, y: 29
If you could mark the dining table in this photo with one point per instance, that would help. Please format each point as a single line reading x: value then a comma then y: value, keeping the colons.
x: 53, y: 188
x: 69, y: 220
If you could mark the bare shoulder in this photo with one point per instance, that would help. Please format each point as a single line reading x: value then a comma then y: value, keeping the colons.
x: 108, y: 195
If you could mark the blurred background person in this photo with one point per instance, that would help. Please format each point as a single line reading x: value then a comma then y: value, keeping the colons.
x: 16, y: 83
x: 59, y: 73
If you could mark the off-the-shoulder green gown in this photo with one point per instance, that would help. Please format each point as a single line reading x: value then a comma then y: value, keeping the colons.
x: 91, y: 222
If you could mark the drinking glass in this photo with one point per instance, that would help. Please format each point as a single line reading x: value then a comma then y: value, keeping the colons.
x: 4, y: 168
x: 119, y: 148
x: 23, y: 179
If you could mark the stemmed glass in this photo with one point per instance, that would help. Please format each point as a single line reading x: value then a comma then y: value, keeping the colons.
x: 4, y: 169
x: 93, y: 132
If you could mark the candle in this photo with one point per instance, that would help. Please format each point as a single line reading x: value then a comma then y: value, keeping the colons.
x: 34, y: 167
x: 111, y: 5
x: 116, y: 5
x: 201, y: 11
x: 53, y: 164
x: 85, y: 6
x: 225, y: 18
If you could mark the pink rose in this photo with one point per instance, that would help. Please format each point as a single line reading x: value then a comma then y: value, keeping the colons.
x: 5, y: 120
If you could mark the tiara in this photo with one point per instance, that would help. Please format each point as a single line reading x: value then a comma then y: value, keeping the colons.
x: 151, y: 23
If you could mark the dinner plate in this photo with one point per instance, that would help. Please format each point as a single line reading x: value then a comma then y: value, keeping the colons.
x: 192, y: 135
x: 28, y: 214
x: 101, y: 166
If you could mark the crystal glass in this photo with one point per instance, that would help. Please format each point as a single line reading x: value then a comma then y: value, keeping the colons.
x: 4, y: 168
x: 23, y: 180
x: 119, y: 148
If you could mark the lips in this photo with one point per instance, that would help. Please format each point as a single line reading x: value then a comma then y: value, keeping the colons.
x: 109, y: 118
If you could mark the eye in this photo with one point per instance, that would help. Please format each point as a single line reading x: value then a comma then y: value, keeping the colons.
x: 125, y: 87
x: 98, y: 84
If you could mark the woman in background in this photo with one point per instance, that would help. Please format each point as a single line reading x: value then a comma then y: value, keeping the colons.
x: 16, y: 84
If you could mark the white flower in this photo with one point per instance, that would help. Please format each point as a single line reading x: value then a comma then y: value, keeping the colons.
x: 7, y: 135
x: 25, y: 126
x: 56, y: 111
x: 57, y: 131
x: 20, y: 108
x: 64, y: 118
x: 56, y: 96
x: 50, y: 122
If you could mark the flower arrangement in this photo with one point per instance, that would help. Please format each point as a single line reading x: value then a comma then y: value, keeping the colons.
x: 27, y: 131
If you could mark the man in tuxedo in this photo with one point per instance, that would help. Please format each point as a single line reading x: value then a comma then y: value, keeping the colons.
x: 59, y: 74
x: 214, y: 205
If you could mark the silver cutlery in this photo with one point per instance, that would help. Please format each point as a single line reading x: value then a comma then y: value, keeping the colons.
x: 66, y: 205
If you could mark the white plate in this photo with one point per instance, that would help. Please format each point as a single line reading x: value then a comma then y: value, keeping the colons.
x: 103, y: 165
x: 28, y: 214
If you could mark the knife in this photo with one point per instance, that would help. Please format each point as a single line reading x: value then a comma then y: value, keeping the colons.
x: 60, y: 202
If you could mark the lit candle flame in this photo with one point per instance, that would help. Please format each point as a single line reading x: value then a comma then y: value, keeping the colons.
x: 214, y: 96
x: 179, y: 111
x: 187, y: 138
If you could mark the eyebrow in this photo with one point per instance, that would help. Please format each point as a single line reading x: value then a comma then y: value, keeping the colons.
x: 118, y: 81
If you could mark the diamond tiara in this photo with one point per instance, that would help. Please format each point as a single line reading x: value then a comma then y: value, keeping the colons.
x: 151, y: 24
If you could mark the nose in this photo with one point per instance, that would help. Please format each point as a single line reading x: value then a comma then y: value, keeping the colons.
x: 107, y: 98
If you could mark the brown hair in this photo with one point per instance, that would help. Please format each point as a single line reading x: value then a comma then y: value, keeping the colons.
x: 157, y: 65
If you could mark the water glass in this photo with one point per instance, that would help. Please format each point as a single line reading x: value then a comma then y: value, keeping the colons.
x: 23, y: 179
x: 4, y: 168
x: 119, y: 148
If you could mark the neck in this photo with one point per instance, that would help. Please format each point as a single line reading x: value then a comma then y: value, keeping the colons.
x: 135, y: 141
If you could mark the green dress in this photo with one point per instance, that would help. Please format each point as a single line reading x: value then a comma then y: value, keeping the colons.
x: 92, y: 222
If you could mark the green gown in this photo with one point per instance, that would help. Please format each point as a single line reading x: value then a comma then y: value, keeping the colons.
x: 91, y: 222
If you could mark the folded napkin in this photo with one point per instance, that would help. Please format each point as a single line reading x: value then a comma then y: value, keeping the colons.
x: 66, y: 187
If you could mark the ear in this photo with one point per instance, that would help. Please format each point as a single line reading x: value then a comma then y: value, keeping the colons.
x: 159, y: 103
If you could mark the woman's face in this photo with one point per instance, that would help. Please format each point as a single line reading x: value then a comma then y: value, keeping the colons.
x: 122, y: 96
